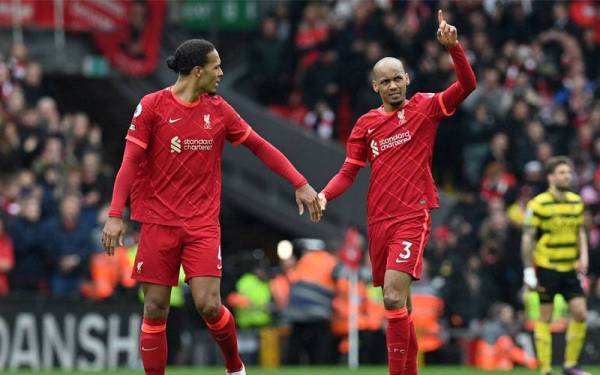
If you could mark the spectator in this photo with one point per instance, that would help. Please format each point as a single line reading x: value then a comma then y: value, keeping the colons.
x: 496, y: 350
x: 321, y: 81
x: 477, y: 133
x: 309, y: 310
x: 18, y: 61
x: 69, y: 245
x: 267, y: 58
x: 49, y: 115
x: 496, y: 182
x: 10, y: 147
x: 7, y: 259
x: 321, y: 120
x: 78, y: 140
x: 294, y: 111
x: 6, y: 86
x: 30, y: 271
x: 251, y: 299
x: 95, y: 185
x: 32, y: 83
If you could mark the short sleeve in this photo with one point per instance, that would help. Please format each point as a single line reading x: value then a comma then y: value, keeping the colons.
x: 356, y: 147
x: 142, y: 123
x: 532, y: 215
x: 432, y: 104
x: 580, y: 210
x: 237, y: 129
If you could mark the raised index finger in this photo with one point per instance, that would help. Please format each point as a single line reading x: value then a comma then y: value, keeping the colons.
x: 440, y: 16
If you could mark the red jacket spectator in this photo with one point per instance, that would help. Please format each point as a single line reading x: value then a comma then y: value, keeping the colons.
x: 496, y: 182
x: 7, y: 259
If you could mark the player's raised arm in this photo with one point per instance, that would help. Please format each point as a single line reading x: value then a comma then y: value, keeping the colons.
x: 466, y: 82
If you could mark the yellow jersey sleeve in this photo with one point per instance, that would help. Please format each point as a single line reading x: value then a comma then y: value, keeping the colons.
x: 581, y: 208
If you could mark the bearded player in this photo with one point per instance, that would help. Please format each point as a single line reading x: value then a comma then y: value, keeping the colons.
x: 172, y: 170
x: 397, y: 139
x: 554, y: 249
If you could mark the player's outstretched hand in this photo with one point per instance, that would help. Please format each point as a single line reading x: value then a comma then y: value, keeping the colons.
x: 322, y: 201
x: 306, y: 195
x: 112, y: 234
x: 446, y: 33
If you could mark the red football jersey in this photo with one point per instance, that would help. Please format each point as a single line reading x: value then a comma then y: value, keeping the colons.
x: 399, y: 146
x: 179, y: 182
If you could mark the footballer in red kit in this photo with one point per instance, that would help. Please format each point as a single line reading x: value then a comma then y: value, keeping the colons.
x: 171, y: 171
x: 397, y: 140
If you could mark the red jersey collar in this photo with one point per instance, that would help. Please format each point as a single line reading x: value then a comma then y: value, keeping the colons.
x: 383, y: 112
x: 185, y: 104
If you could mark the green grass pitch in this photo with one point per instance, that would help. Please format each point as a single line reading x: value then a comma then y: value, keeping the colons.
x: 337, y: 370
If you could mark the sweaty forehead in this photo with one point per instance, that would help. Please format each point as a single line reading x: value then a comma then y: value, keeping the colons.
x: 388, y: 67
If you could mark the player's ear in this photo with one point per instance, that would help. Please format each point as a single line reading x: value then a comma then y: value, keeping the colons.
x: 375, y: 86
x: 198, y: 71
x: 407, y: 78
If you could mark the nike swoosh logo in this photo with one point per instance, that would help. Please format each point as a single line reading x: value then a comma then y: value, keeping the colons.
x: 219, y: 267
x: 401, y: 261
x: 172, y: 121
x: 369, y: 131
x: 149, y: 349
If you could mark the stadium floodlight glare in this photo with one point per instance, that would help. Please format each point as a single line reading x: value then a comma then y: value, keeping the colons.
x: 284, y: 249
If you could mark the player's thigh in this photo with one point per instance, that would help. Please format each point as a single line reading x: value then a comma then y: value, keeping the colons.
x: 158, y: 256
x: 201, y: 254
x: 407, y: 243
x: 570, y: 286
x: 378, y: 250
x: 548, y: 284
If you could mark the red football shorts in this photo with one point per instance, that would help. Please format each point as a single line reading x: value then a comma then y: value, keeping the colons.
x: 398, y: 244
x: 163, y: 249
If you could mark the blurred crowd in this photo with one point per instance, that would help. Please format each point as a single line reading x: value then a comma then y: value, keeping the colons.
x: 53, y: 184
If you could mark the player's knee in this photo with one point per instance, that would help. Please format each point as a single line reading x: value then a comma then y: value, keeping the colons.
x: 392, y: 299
x: 208, y: 308
x: 580, y: 315
x: 155, y: 309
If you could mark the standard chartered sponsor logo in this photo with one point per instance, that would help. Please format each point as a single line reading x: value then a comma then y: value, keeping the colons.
x: 191, y: 144
x: 176, y: 144
x: 198, y: 144
x: 395, y: 140
x: 374, y: 149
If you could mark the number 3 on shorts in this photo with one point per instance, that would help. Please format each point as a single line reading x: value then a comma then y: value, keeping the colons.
x: 406, y: 253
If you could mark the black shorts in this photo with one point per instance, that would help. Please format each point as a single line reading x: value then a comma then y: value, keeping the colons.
x: 552, y: 282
